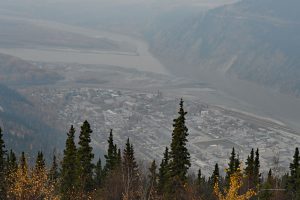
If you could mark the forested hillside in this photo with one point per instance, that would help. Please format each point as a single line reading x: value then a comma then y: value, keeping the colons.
x: 25, y: 130
x: 253, y: 40
x: 22, y: 120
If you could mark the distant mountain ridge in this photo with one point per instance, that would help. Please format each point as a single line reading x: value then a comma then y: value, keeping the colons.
x: 256, y: 40
x: 21, y: 122
x: 15, y: 71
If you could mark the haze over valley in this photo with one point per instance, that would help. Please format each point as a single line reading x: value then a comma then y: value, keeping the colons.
x: 124, y: 65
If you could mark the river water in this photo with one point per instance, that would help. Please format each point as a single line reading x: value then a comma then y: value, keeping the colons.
x: 141, y: 59
x: 230, y: 93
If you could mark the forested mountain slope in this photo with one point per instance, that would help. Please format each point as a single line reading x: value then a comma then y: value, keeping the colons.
x: 256, y: 40
x: 22, y: 122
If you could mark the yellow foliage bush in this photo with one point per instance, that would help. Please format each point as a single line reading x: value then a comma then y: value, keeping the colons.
x: 232, y: 193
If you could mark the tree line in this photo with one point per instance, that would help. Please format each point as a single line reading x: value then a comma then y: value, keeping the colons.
x: 120, y: 177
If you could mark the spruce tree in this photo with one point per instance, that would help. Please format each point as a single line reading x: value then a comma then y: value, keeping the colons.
x: 3, y: 185
x: 23, y: 162
x: 256, y: 172
x: 233, y: 166
x: 199, y: 177
x: 69, y: 171
x: 215, y: 178
x: 112, y: 157
x: 11, y: 167
x: 293, y: 186
x: 54, y: 174
x: 85, y: 157
x: 40, y: 162
x: 252, y: 170
x: 163, y: 171
x: 12, y: 164
x: 98, y: 174
x: 119, y: 158
x: 152, y: 179
x: 237, y: 165
x: 200, y: 182
x: 130, y: 171
x: 266, y: 193
x: 249, y: 169
x: 179, y: 155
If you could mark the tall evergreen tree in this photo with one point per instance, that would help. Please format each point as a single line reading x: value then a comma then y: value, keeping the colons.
x: 40, y: 162
x: 119, y: 158
x: 85, y: 157
x: 11, y: 167
x: 3, y: 185
x: 152, y: 179
x: 200, y: 182
x: 237, y: 165
x: 98, y: 173
x: 69, y: 171
x: 293, y: 186
x: 249, y: 169
x: 54, y: 174
x: 233, y: 166
x: 215, y: 178
x: 12, y: 164
x: 163, y: 171
x: 130, y: 171
x: 256, y: 172
x: 252, y: 170
x: 23, y: 162
x: 199, y: 178
x: 112, y: 157
x: 266, y: 192
x: 179, y: 155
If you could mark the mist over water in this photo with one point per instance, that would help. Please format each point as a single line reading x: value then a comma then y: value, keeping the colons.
x: 125, y: 22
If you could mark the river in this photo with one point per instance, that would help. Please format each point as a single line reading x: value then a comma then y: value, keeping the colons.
x: 141, y: 59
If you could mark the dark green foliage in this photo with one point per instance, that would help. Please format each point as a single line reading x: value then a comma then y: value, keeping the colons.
x: 113, y: 158
x: 266, y: 188
x: 252, y: 170
x: 200, y: 178
x: 40, y: 162
x: 85, y: 157
x: 98, y: 174
x: 130, y: 168
x: 127, y: 182
x: 249, y: 170
x: 3, y: 183
x: 130, y: 171
x: 257, y: 175
x: 204, y: 189
x: 293, y: 186
x: 152, y: 177
x: 179, y: 158
x: 23, y: 162
x: 69, y: 171
x: 215, y: 177
x: 163, y: 171
x: 12, y: 164
x: 179, y: 155
x: 119, y: 158
x: 54, y: 174
x: 233, y: 165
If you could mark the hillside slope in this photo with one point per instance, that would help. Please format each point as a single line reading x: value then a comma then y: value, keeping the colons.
x: 24, y: 125
x: 23, y: 129
x: 256, y: 40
